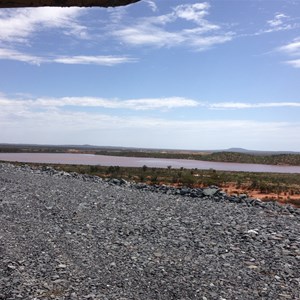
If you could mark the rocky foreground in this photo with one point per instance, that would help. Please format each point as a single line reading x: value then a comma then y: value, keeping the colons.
x: 71, y: 236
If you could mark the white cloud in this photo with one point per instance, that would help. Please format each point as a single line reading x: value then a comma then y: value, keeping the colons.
x: 146, y: 35
x: 133, y: 104
x: 17, y: 25
x: 294, y: 63
x: 60, y: 126
x: 292, y: 49
x: 19, y: 28
x: 18, y: 56
x: 162, y: 103
x: 33, y: 110
x: 278, y: 20
x: 53, y: 120
x: 193, y: 12
x: 199, y: 33
x: 205, y: 42
x: 242, y: 105
x: 116, y: 14
x: 151, y: 4
x: 108, y: 60
x: 103, y: 60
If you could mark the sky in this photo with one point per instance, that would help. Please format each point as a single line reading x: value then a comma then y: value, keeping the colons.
x: 166, y: 74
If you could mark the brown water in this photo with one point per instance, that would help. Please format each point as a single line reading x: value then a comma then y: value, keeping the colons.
x: 104, y: 160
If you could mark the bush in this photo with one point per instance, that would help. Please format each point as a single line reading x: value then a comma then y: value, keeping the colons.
x: 188, y: 179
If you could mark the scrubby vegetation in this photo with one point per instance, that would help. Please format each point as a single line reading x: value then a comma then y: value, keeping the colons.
x: 270, y: 186
x: 274, y: 159
x: 287, y: 159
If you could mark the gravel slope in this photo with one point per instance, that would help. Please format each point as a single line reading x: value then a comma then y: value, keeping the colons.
x: 64, y: 236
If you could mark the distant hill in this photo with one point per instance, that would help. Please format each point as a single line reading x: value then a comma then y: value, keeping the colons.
x: 259, y: 152
x: 236, y: 155
x: 121, y: 148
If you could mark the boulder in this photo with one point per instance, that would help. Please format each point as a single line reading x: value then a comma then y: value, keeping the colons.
x: 210, y: 191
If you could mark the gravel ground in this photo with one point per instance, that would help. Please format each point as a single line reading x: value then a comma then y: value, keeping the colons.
x: 68, y: 236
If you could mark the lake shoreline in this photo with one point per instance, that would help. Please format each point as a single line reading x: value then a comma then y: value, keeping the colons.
x: 280, y: 187
x: 122, y: 161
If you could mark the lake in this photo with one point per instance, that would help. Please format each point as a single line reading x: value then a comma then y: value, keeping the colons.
x: 104, y: 160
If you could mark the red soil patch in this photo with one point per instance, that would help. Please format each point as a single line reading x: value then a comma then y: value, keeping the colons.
x: 283, y: 198
x: 231, y: 188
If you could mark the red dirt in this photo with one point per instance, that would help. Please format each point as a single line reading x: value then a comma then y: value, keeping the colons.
x: 283, y: 198
x: 231, y: 188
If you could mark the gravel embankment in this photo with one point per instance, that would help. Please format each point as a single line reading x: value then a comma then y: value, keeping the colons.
x: 68, y: 236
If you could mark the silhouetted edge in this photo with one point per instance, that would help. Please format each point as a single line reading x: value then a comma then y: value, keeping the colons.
x: 64, y: 3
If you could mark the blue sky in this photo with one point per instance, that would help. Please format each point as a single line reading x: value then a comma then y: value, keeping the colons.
x: 157, y: 74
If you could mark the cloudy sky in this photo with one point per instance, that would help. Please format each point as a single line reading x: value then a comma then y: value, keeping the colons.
x: 158, y: 74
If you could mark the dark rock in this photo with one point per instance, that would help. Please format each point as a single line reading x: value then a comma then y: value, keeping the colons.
x: 124, y: 182
x: 235, y: 199
x: 115, y: 181
x: 210, y: 191
x: 77, y: 237
x: 184, y: 191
